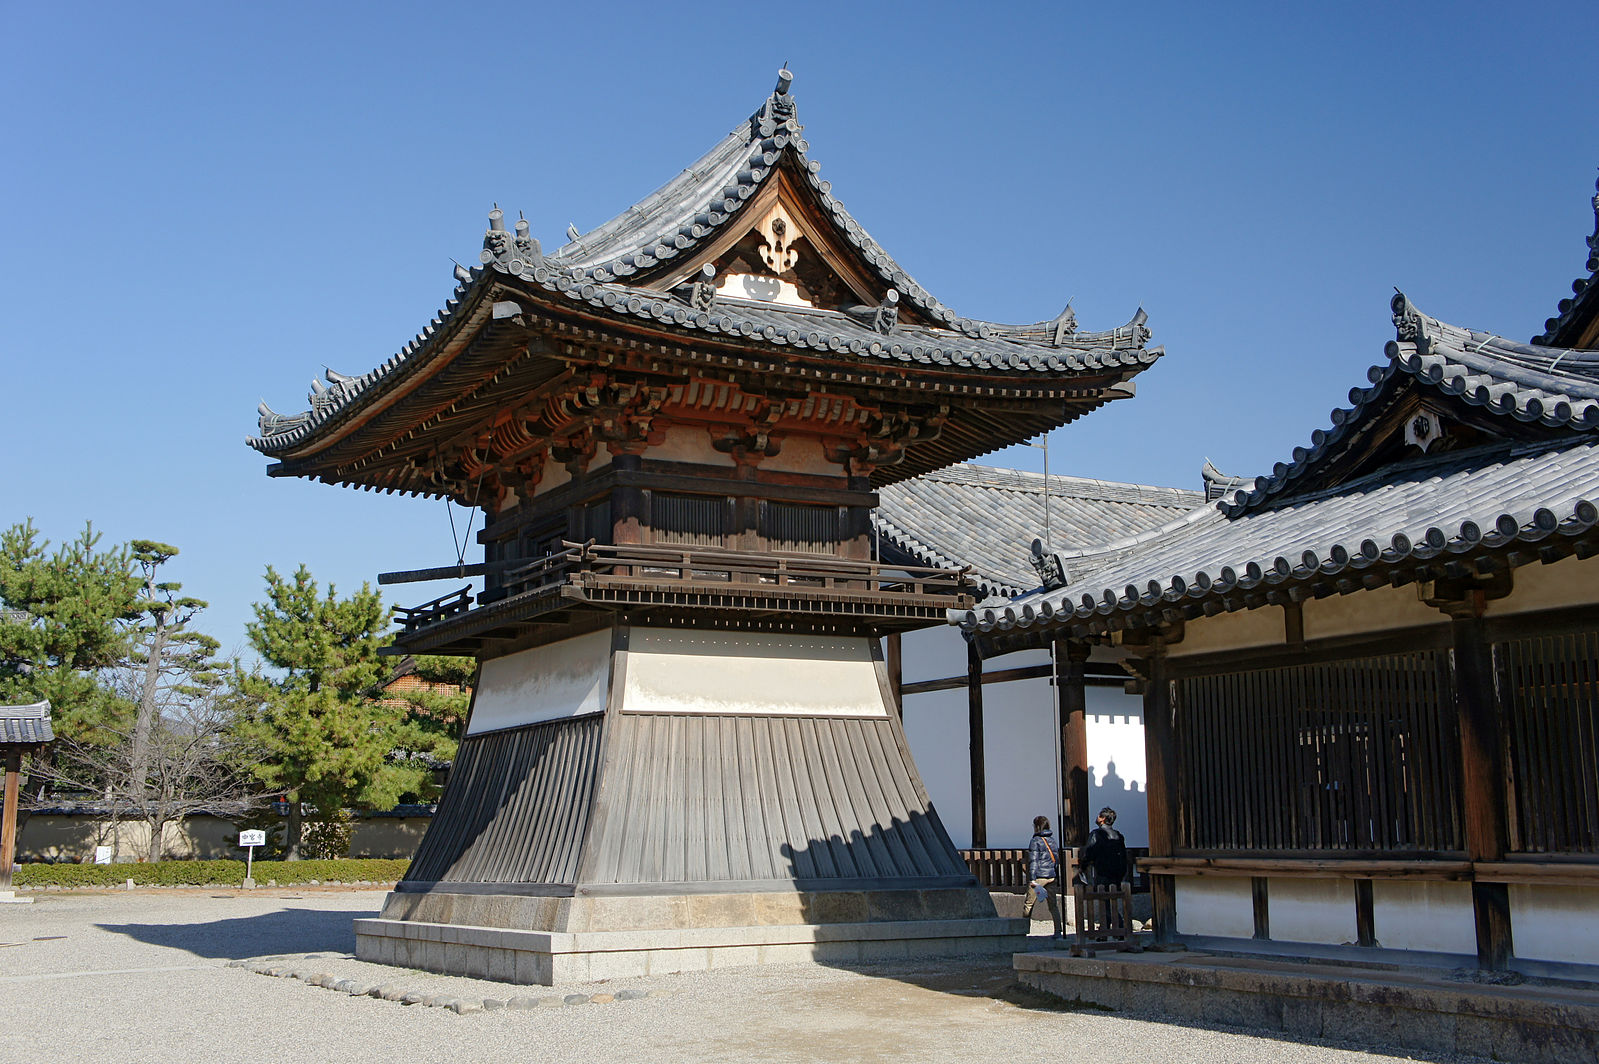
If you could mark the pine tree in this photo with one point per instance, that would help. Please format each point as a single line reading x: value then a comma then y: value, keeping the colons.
x: 175, y: 673
x: 64, y: 623
x: 324, y: 742
x: 429, y: 733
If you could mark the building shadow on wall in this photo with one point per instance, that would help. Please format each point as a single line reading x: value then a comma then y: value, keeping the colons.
x: 1126, y: 797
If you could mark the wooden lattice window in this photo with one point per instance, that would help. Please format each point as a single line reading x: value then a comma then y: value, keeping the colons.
x: 694, y: 520
x: 1359, y: 755
x: 1549, y: 691
x: 788, y: 526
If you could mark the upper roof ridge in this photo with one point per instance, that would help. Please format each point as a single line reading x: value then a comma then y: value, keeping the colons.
x: 1584, y: 293
x: 1555, y: 387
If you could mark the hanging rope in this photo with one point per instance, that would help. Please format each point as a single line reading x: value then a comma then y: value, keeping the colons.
x: 463, y: 541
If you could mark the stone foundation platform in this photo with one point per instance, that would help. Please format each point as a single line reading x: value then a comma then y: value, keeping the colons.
x: 1413, y: 1008
x: 549, y: 941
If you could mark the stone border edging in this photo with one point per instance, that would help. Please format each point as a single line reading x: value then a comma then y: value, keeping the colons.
x: 283, y: 968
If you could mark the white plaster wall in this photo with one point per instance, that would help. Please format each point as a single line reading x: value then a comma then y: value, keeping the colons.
x: 1229, y: 631
x: 1427, y: 916
x: 1555, y: 923
x: 680, y: 671
x: 1021, y: 742
x: 1215, y: 905
x: 564, y: 679
x: 1568, y: 582
x: 1312, y: 910
x: 1377, y: 609
x: 689, y: 443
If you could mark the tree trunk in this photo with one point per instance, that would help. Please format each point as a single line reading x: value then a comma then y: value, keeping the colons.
x: 144, y: 720
x: 158, y: 827
x: 293, y: 829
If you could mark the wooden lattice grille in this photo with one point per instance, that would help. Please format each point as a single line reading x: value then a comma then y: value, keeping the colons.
x: 1360, y: 755
x: 693, y: 520
x: 1549, y: 687
x: 790, y: 526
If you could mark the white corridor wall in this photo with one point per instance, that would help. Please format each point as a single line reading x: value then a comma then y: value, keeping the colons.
x: 1021, y: 741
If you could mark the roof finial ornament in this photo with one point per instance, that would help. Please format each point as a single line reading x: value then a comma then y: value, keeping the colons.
x: 510, y: 253
x: 1050, y: 567
x: 887, y: 316
x: 780, y: 108
x: 1407, y: 324
x: 1593, y: 241
x: 1065, y: 324
x: 462, y: 274
x: 785, y: 78
x: 703, y: 293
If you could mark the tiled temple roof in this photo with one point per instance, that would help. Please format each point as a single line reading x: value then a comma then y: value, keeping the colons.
x: 25, y: 725
x: 985, y: 517
x: 1566, y: 327
x: 1454, y: 507
x: 1553, y: 387
x: 604, y: 272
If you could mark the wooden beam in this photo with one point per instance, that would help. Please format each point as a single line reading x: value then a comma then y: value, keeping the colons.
x: 893, y: 662
x: 8, y: 828
x: 1160, y: 771
x: 1072, y: 700
x: 1100, y: 678
x: 1260, y: 896
x: 1365, y: 914
x: 1482, y: 780
x: 974, y: 724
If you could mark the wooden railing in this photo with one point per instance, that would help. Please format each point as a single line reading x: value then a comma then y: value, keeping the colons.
x: 601, y: 567
x: 694, y: 564
x: 1006, y: 871
x: 445, y: 606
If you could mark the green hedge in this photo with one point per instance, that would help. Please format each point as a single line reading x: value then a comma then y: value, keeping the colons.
x: 206, y: 873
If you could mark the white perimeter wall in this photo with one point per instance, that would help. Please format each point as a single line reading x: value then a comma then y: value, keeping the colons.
x: 565, y: 679
x: 1021, y: 740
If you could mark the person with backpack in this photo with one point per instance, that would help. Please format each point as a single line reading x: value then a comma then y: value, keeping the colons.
x: 1104, y: 861
x: 1042, y: 869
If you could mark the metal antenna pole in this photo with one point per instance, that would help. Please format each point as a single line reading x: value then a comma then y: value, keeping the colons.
x: 1048, y: 539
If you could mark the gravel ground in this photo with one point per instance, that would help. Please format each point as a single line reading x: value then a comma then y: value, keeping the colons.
x: 119, y: 976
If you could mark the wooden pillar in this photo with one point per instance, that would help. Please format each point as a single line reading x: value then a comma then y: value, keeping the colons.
x: 896, y: 672
x: 1482, y: 779
x: 1072, y: 699
x: 974, y: 723
x: 1160, y: 770
x: 8, y: 822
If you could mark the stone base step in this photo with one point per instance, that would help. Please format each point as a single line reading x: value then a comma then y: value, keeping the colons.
x: 1400, y: 1008
x: 549, y: 958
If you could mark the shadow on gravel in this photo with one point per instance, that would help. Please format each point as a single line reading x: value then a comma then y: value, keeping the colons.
x: 266, y: 935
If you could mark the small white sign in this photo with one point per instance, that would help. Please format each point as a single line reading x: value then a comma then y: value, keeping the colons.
x: 102, y: 855
x: 252, y: 838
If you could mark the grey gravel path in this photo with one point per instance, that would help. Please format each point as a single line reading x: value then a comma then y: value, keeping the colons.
x: 145, y: 976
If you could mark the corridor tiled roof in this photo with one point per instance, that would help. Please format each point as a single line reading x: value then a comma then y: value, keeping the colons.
x: 986, y: 518
x: 26, y: 725
x: 1553, y: 387
x: 1448, y: 509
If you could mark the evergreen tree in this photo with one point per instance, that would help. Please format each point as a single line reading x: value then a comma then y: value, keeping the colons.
x: 429, y: 733
x: 323, y: 740
x: 175, y: 674
x: 64, y: 623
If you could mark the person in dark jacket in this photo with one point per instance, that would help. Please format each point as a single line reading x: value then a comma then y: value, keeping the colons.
x: 1042, y: 869
x: 1104, y: 860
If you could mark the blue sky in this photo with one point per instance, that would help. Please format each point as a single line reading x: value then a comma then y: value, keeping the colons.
x: 206, y: 204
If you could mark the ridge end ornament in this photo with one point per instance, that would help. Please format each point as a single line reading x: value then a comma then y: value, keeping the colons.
x: 1050, y: 567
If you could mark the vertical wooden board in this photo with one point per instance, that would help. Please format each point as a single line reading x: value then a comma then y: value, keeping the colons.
x: 1260, y: 897
x: 812, y: 837
x: 861, y: 741
x: 832, y: 820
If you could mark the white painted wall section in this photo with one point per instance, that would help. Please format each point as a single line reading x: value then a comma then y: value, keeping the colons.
x: 1555, y: 923
x: 1312, y: 910
x: 679, y: 671
x: 1021, y: 743
x: 1436, y: 917
x: 1223, y: 906
x: 565, y: 679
